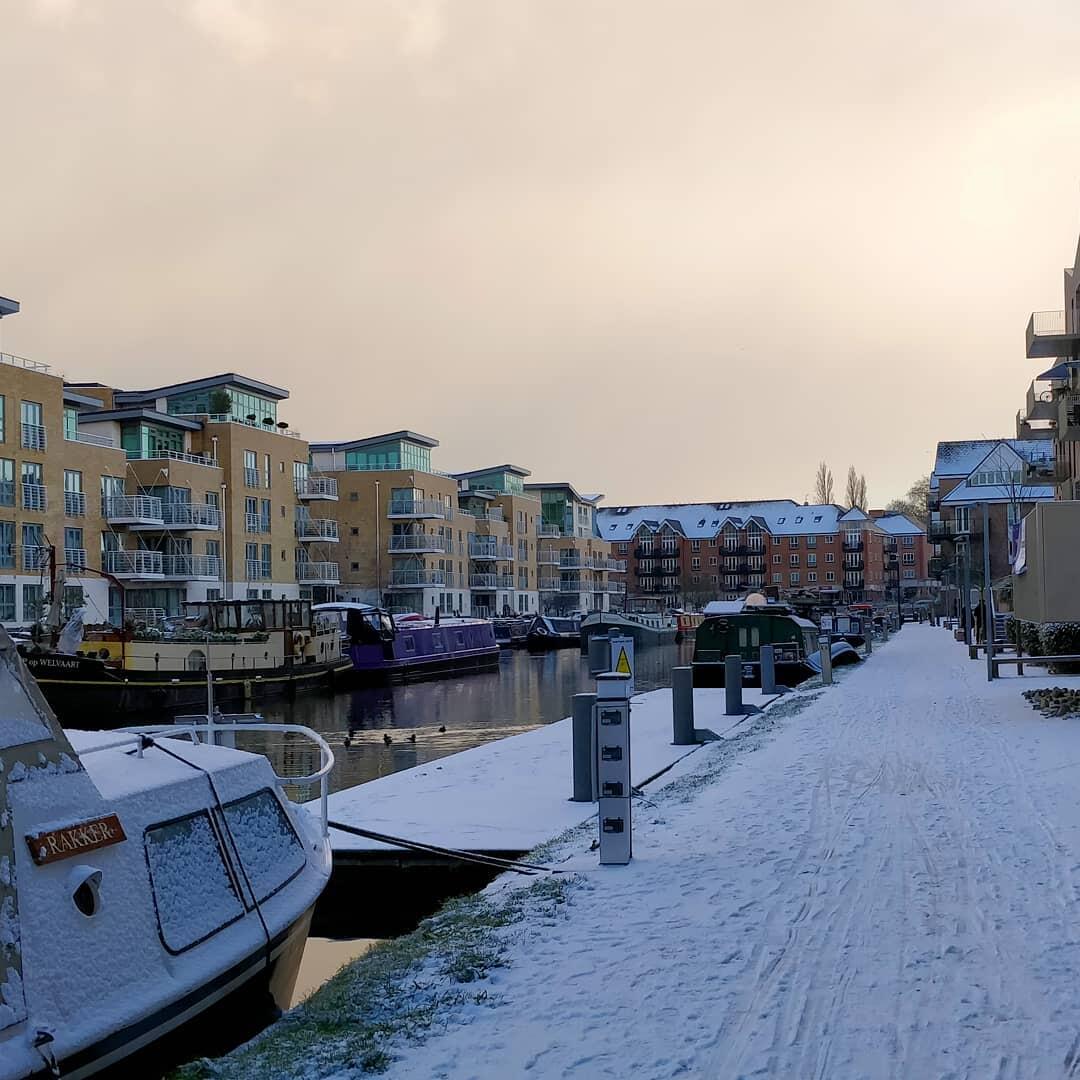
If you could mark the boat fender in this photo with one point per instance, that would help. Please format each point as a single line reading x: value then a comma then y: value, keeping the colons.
x: 43, y: 1040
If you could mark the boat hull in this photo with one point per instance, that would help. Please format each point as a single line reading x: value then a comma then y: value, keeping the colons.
x: 227, y: 1010
x: 642, y: 635
x: 74, y: 690
x: 546, y: 642
x: 713, y: 673
x: 370, y: 664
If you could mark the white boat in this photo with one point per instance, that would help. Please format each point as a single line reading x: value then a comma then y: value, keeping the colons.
x: 645, y: 627
x: 150, y: 881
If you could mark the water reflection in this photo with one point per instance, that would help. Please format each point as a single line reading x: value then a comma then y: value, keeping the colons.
x: 379, y: 730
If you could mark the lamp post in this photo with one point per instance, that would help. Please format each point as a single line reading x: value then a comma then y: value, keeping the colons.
x: 378, y: 547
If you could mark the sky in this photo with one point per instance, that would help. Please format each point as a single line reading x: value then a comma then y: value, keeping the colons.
x: 667, y: 251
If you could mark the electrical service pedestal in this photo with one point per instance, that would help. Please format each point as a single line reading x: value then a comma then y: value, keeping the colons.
x: 613, y: 767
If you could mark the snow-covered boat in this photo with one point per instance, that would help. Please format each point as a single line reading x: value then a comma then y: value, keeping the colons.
x: 510, y: 633
x: 154, y: 886
x: 645, y: 627
x: 412, y: 646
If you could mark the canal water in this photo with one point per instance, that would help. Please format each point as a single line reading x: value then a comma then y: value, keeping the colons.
x: 375, y: 731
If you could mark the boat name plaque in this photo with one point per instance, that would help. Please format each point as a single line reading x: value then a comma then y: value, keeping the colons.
x: 57, y: 844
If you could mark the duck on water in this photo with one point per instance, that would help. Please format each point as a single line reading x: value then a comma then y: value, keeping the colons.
x: 157, y: 891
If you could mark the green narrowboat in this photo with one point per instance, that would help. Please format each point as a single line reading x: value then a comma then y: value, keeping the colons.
x: 742, y: 633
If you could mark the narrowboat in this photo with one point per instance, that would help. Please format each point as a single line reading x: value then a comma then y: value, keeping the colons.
x: 411, y: 646
x: 645, y: 627
x: 256, y: 649
x: 742, y: 633
x: 510, y: 633
x: 554, y: 632
x: 157, y: 888
x: 686, y: 624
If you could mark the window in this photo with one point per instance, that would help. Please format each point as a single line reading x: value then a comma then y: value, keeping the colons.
x: 71, y: 424
x: 695, y: 564
x: 909, y: 541
x: 3, y: 415
x: 266, y: 470
x: 909, y: 575
x: 33, y: 608
x: 831, y: 538
x: 811, y: 559
x: 830, y: 576
x: 811, y: 541
x: 777, y: 578
x: 622, y: 548
x: 830, y: 556
x: 811, y: 576
x: 777, y: 559
x: 695, y: 545
x: 7, y: 547
x: 909, y: 557
x: 251, y: 469
x: 194, y: 896
x: 696, y: 579
x: 7, y: 603
x: 713, y: 560
x: 793, y: 560
x: 33, y: 426
x: 7, y: 482
x: 793, y: 541
x: 962, y: 518
x: 795, y: 578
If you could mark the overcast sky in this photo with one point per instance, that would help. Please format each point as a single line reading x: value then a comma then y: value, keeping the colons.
x: 665, y: 250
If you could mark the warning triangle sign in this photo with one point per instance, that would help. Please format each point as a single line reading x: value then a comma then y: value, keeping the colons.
x: 622, y: 667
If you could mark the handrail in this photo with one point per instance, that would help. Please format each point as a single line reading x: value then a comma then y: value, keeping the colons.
x: 322, y: 774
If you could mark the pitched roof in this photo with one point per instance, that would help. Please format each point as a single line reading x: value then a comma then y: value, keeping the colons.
x: 698, y: 521
x: 898, y: 525
x: 964, y: 457
x: 966, y: 493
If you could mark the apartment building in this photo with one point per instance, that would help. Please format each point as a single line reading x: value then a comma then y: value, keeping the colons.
x: 907, y: 561
x: 575, y: 568
x: 683, y: 555
x: 1009, y: 476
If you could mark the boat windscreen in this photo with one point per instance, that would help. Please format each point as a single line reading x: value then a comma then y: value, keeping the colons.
x: 563, y: 626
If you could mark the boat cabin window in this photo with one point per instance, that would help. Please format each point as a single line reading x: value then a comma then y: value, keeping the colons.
x: 194, y: 896
x: 266, y: 842
x: 408, y: 643
x: 749, y: 636
x: 437, y: 642
x: 460, y: 637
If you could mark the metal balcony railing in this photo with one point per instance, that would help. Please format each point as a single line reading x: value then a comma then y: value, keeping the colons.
x: 419, y: 541
x: 317, y: 573
x: 575, y: 562
x: 75, y: 504
x: 492, y: 549
x: 316, y: 487
x: 34, y: 496
x: 35, y: 557
x: 74, y: 558
x: 416, y: 508
x: 614, y: 566
x: 191, y: 516
x: 188, y: 566
x: 138, y: 564
x: 853, y: 545
x: 88, y: 439
x: 256, y: 523
x: 548, y: 532
x: 33, y: 436
x: 191, y: 459
x: 256, y: 570
x: 132, y: 509
x: 317, y: 529
x: 251, y: 478
x: 417, y: 579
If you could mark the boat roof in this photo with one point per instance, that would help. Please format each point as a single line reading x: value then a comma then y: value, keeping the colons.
x: 343, y: 605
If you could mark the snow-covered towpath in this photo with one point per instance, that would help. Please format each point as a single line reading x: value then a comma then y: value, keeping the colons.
x: 889, y: 886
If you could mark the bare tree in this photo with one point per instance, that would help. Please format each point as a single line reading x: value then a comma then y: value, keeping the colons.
x: 915, y: 503
x: 823, y: 484
x: 855, y: 490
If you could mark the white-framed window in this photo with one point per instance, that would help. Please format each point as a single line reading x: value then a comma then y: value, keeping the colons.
x: 795, y: 577
x: 962, y: 518
x: 811, y: 576
x: 811, y: 559
x: 830, y: 576
x: 793, y: 541
x: 777, y: 578
x: 909, y: 575
x: 909, y: 541
x: 830, y: 556
x: 793, y: 560
x: 777, y: 560
x: 695, y: 564
x: 695, y: 545
x: 713, y: 560
x: 909, y: 556
x: 811, y: 541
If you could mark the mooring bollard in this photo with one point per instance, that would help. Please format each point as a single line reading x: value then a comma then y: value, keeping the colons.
x: 682, y: 706
x: 868, y: 638
x: 584, y: 757
x: 768, y: 669
x: 599, y: 654
x: 825, y: 652
x: 733, y: 685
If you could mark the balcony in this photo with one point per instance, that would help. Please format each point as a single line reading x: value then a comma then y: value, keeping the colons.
x: 616, y: 588
x: 140, y: 565
x: 35, y: 557
x: 575, y: 562
x: 641, y: 552
x: 34, y: 497
x: 490, y: 582
x: 251, y: 478
x: 256, y: 523
x: 946, y: 530
x: 1047, y: 336
x: 186, y: 567
x: 548, y: 557
x: 853, y: 545
x: 74, y: 504
x: 549, y: 585
x: 317, y: 530
x: 191, y: 459
x: 181, y: 515
x: 613, y: 566
x: 317, y: 573
x: 418, y: 579
x: 419, y: 542
x: 74, y: 559
x: 417, y: 509
x: 132, y: 510
x: 89, y: 440
x: 490, y: 551
x: 853, y: 566
x: 316, y: 487
x: 547, y: 532
x: 33, y: 436
x: 256, y: 570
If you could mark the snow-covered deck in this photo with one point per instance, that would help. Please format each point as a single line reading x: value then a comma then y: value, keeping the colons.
x: 514, y: 794
x: 888, y: 887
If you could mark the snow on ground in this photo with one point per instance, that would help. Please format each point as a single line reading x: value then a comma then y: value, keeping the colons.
x: 887, y: 887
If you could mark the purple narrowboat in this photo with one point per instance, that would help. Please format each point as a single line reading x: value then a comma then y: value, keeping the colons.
x: 413, y: 646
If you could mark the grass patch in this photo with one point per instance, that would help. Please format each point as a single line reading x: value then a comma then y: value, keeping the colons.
x: 402, y: 990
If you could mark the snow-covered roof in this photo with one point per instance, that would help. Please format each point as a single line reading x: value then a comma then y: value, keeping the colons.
x: 963, y: 458
x: 898, y: 525
x: 966, y: 493
x: 698, y: 521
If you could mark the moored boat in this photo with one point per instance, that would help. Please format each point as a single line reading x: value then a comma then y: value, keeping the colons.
x: 256, y: 649
x: 645, y: 627
x: 510, y: 633
x: 741, y: 631
x: 412, y: 646
x: 554, y: 632
x: 157, y: 887
x: 686, y: 624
